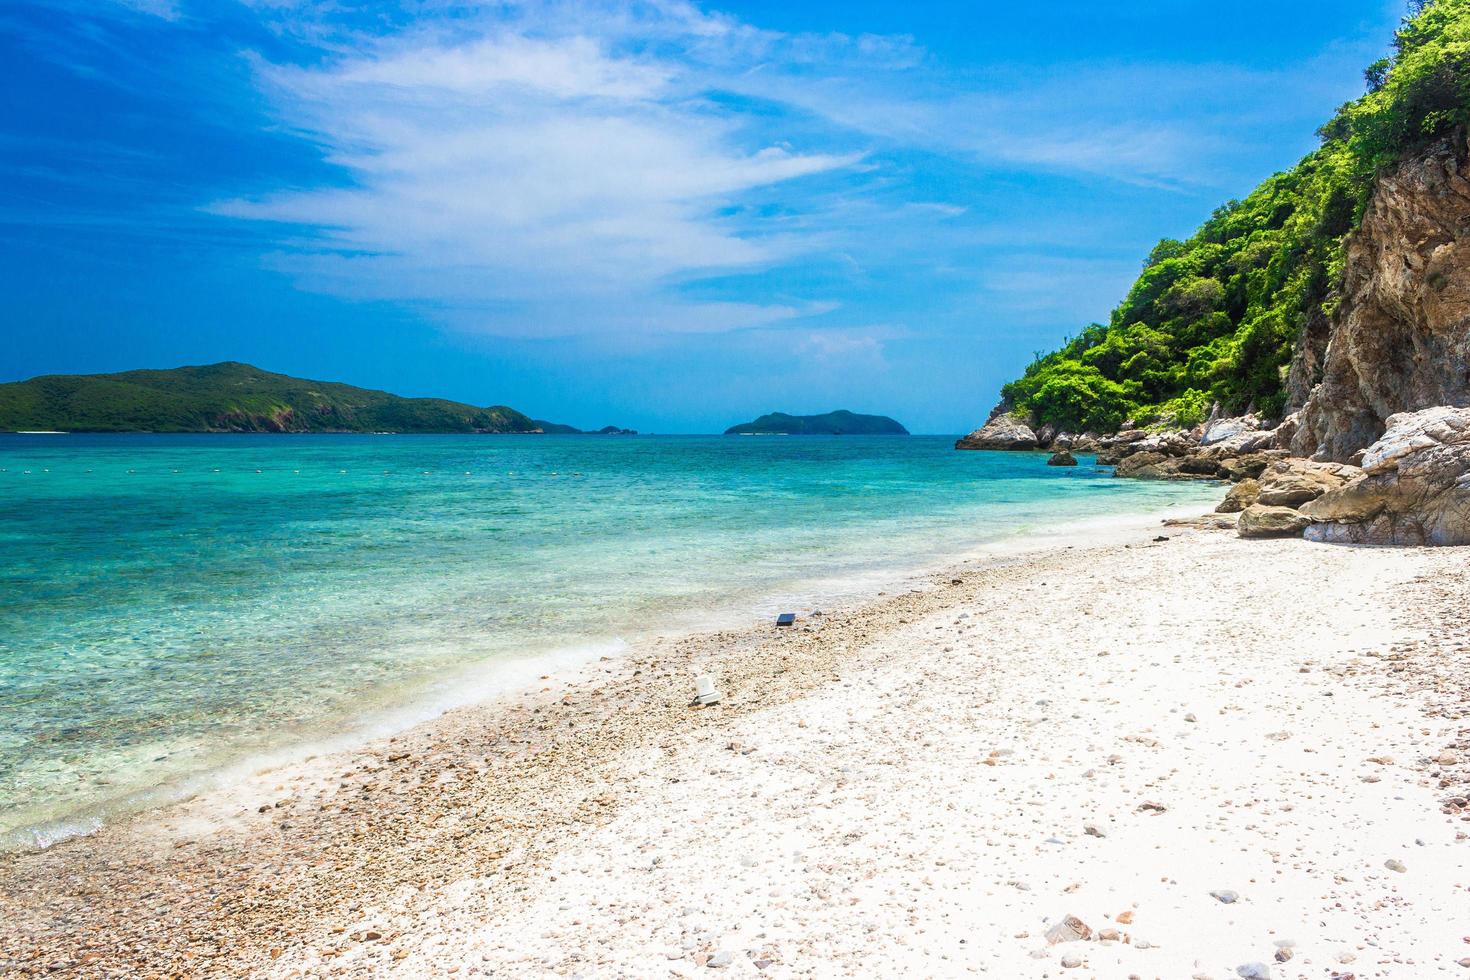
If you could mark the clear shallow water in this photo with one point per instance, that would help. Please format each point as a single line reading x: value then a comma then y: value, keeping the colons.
x: 170, y: 604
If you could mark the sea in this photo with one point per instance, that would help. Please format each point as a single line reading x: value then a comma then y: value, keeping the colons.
x: 175, y: 609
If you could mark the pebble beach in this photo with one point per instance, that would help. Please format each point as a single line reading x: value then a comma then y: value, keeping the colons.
x: 1157, y: 751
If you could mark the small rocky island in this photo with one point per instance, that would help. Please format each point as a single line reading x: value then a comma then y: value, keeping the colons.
x: 838, y: 423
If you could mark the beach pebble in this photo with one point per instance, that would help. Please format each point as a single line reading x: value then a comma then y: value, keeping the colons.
x: 720, y: 960
x: 1394, y: 864
x: 1225, y: 896
x: 1253, y: 971
x: 1071, y: 961
x: 1069, y: 929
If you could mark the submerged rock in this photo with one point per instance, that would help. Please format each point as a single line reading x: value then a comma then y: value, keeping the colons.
x: 1062, y: 458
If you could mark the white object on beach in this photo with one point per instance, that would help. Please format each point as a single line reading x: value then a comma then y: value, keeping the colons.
x: 704, y: 690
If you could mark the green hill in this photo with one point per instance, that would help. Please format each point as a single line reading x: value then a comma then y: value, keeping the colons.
x: 1219, y: 317
x: 232, y: 397
x: 839, y: 423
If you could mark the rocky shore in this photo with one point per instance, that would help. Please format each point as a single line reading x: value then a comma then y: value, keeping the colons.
x: 927, y: 784
x: 1409, y: 487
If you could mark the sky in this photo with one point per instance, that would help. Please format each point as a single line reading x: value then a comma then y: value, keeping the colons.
x: 665, y: 215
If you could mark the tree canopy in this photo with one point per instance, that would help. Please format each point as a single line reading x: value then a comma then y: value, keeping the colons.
x: 1216, y: 318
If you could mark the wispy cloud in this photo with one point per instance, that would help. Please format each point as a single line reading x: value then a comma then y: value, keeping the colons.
x: 531, y: 184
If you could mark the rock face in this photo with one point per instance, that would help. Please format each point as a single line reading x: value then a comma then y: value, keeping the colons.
x: 1260, y: 521
x: 1415, y: 489
x: 1003, y: 431
x: 1400, y: 340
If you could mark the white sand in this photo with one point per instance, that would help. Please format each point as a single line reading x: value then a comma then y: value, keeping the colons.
x: 860, y: 830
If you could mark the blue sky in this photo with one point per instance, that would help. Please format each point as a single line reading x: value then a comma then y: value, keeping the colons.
x: 664, y: 215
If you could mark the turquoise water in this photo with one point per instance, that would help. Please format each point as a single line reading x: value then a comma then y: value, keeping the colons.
x: 170, y: 605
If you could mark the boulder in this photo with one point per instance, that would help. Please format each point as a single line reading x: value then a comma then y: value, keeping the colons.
x: 1244, y: 442
x: 1247, y: 467
x: 1293, y: 482
x: 1261, y: 521
x: 1157, y: 466
x: 1170, y: 443
x: 1085, y: 443
x: 1146, y: 466
x: 1062, y: 458
x: 1239, y: 497
x: 1003, y: 431
x: 1228, y: 429
x: 1415, y: 488
x: 1046, y: 435
x: 1198, y: 465
x: 1410, y: 433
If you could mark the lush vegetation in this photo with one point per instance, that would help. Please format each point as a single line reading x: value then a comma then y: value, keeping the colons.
x: 839, y: 423
x: 1216, y: 318
x: 232, y: 397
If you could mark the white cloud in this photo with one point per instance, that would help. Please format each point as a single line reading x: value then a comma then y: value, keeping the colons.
x: 526, y: 184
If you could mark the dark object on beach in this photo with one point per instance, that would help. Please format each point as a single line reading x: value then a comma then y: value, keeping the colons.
x: 785, y: 619
x: 1062, y: 458
x: 1162, y: 537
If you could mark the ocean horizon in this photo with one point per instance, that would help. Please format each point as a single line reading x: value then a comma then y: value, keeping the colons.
x: 174, y: 607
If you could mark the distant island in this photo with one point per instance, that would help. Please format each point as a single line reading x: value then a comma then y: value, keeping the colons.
x: 235, y: 397
x: 839, y: 423
x: 558, y: 429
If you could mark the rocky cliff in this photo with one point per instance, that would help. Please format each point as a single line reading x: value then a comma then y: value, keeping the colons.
x: 1400, y: 337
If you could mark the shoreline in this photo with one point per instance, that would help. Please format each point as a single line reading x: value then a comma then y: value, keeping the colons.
x: 295, y: 868
x: 481, y: 684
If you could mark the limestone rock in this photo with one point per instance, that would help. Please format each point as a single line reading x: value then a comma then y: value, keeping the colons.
x: 1003, y: 431
x: 1261, y: 521
x: 1062, y: 458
